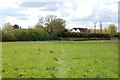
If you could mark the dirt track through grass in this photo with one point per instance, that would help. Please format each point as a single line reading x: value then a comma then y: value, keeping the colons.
x: 62, y: 64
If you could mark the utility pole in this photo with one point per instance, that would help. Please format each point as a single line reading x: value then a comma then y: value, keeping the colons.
x: 95, y: 27
x: 101, y: 26
x: 95, y: 30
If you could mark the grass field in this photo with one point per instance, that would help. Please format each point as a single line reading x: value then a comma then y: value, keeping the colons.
x: 60, y: 59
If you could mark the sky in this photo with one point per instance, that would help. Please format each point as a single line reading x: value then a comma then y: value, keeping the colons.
x: 77, y: 13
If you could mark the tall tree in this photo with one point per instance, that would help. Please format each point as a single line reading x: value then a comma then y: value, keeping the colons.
x: 56, y: 26
x: 52, y: 23
x: 7, y: 27
x: 112, y: 28
x: 44, y: 21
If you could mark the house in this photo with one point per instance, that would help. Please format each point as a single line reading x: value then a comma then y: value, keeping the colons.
x: 85, y: 30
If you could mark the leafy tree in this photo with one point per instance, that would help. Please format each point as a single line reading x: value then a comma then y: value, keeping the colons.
x: 52, y: 25
x: 56, y: 26
x: 112, y: 28
x: 39, y: 27
x: 7, y: 27
x: 8, y: 36
x: 21, y: 35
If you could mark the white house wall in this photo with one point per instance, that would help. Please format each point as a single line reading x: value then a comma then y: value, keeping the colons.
x: 73, y: 30
x: 77, y: 30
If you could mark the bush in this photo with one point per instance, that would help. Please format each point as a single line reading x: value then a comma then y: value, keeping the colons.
x: 25, y: 35
x: 115, y: 34
x: 7, y: 36
x: 84, y: 35
x: 38, y: 35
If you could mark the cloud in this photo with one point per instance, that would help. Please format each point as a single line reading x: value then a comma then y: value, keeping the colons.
x: 38, y: 4
x: 77, y: 13
x: 95, y: 12
x: 26, y: 23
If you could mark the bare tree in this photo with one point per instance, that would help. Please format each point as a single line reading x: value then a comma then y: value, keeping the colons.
x: 56, y: 25
x: 52, y: 23
x: 44, y: 21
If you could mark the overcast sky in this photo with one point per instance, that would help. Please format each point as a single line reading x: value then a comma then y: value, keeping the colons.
x: 77, y: 13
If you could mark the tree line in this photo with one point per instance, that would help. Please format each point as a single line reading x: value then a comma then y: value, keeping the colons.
x: 47, y: 28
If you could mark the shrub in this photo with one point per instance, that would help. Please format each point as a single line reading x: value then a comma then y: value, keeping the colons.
x: 84, y: 35
x: 7, y: 36
x: 25, y: 35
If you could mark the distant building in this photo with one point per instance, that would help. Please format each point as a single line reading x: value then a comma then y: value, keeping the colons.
x: 84, y: 30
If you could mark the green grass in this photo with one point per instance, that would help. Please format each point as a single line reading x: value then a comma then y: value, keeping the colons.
x: 60, y: 59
